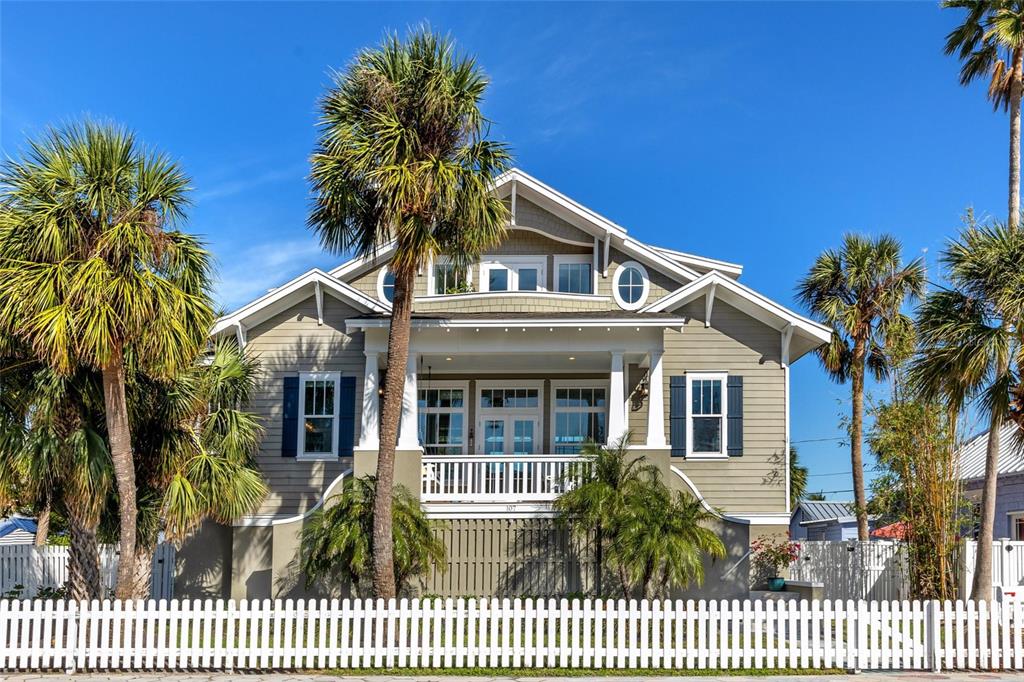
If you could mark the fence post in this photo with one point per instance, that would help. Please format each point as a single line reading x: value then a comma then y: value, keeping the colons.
x: 71, y: 644
x: 934, y: 635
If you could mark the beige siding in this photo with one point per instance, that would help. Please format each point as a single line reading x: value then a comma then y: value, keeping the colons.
x: 529, y: 214
x: 287, y: 344
x: 754, y: 482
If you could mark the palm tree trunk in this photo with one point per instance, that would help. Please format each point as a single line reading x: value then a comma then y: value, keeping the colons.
x: 390, y: 418
x: 143, y: 570
x: 43, y: 521
x: 119, y: 437
x: 982, y: 587
x: 856, y: 438
x: 1015, y: 99
x: 83, y: 560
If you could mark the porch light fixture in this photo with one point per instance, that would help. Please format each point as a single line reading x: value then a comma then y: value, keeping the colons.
x: 448, y: 359
x: 572, y: 357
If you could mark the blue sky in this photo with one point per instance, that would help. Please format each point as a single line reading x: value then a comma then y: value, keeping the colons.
x: 752, y: 132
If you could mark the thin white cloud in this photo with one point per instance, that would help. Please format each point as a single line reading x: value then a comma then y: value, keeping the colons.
x: 248, y: 274
x: 240, y: 185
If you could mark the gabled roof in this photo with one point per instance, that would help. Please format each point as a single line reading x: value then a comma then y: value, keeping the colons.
x: 808, y: 333
x: 1011, y: 453
x: 734, y: 269
x: 16, y: 523
x: 298, y: 289
x: 824, y: 511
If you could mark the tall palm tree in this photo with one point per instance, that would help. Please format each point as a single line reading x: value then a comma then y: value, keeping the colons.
x: 859, y: 290
x: 195, y: 443
x: 402, y: 157
x: 971, y: 349
x: 597, y: 494
x: 91, y: 274
x: 990, y: 44
x: 337, y: 543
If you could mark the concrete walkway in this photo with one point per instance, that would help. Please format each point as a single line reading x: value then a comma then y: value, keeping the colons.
x: 289, y: 677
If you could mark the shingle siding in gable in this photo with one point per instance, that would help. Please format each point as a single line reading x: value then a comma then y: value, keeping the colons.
x: 529, y: 214
x: 289, y: 343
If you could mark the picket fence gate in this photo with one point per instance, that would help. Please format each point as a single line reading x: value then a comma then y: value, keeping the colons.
x: 32, y: 568
x: 368, y: 634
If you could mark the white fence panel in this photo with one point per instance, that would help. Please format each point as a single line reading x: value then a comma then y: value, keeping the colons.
x: 852, y: 569
x: 1007, y: 567
x: 373, y: 634
x: 34, y: 568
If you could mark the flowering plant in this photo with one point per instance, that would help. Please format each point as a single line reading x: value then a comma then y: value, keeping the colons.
x: 771, y: 555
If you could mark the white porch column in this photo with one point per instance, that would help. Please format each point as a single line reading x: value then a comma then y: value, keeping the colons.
x: 616, y: 414
x: 655, y: 402
x: 369, y: 425
x: 408, y: 432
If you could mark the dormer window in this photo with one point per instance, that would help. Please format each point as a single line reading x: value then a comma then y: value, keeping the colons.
x: 574, y: 274
x: 448, y: 279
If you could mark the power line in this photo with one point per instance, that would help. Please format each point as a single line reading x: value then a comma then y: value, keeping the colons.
x: 815, y: 440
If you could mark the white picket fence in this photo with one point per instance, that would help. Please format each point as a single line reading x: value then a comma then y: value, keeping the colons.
x: 34, y: 567
x: 264, y: 635
x: 852, y: 569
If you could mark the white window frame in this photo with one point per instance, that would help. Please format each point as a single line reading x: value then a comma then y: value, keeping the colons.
x: 578, y: 383
x: 301, y: 454
x: 464, y: 410
x: 482, y: 413
x: 381, y: 274
x: 620, y: 270
x: 1012, y: 518
x: 572, y: 258
x: 513, y: 264
x: 705, y: 376
x: 432, y: 280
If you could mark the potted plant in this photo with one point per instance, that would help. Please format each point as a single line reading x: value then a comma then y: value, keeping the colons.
x: 770, y: 556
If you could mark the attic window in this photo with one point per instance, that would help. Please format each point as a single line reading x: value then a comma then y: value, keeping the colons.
x: 631, y: 285
x: 386, y: 285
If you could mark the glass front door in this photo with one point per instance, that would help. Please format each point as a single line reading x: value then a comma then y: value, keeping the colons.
x: 510, y: 435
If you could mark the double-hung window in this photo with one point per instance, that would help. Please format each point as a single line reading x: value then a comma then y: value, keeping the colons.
x: 318, y: 408
x: 580, y: 415
x: 513, y: 273
x: 574, y: 275
x: 707, y: 414
x: 442, y: 419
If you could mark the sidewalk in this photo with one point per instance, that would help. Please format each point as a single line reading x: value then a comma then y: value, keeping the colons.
x: 293, y: 677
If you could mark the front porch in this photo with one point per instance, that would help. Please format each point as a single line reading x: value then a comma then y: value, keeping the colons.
x: 496, y: 414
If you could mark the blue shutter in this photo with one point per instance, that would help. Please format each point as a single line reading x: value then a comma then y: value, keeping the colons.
x: 290, y: 421
x: 735, y: 421
x: 677, y: 415
x: 346, y: 416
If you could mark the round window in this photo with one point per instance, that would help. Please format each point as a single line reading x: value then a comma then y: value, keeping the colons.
x: 386, y: 285
x: 631, y: 285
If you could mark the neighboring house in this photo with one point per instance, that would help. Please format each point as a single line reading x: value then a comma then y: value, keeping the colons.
x: 822, y: 520
x: 17, y: 530
x: 570, y: 330
x: 1009, y: 521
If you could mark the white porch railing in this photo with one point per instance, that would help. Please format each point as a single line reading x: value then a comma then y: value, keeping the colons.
x: 495, y: 478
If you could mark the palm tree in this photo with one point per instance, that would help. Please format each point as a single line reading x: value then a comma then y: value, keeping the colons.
x: 337, y: 543
x: 971, y: 349
x: 665, y: 536
x: 990, y: 44
x: 402, y: 158
x: 598, y: 491
x: 195, y: 444
x: 92, y: 275
x: 797, y: 478
x: 859, y: 291
x: 51, y: 434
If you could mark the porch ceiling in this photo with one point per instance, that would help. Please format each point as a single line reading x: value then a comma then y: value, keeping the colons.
x: 565, y: 362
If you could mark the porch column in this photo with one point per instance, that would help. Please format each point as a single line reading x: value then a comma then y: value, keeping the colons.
x: 369, y: 425
x: 616, y: 414
x: 655, y: 402
x: 408, y: 432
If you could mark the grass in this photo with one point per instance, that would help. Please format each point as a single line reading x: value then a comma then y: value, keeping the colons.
x: 573, y: 672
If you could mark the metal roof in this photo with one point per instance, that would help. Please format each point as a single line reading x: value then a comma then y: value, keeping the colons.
x: 8, y: 526
x: 1011, y: 453
x: 817, y: 511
